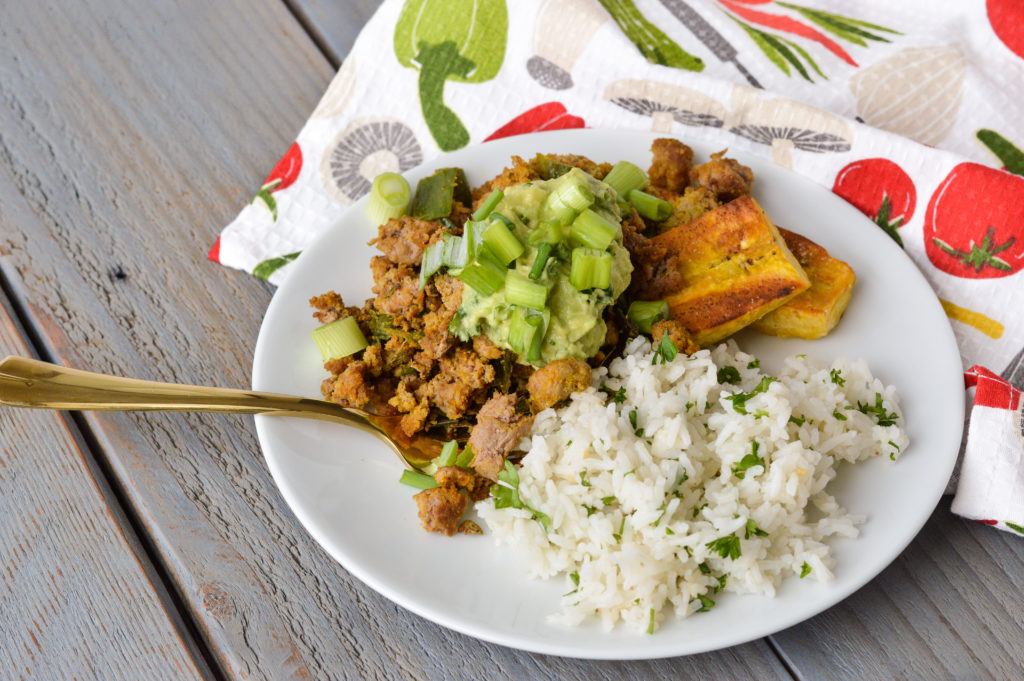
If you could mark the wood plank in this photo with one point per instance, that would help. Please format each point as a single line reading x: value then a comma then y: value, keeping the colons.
x: 947, y: 608
x: 334, y: 24
x: 131, y: 134
x: 69, y: 574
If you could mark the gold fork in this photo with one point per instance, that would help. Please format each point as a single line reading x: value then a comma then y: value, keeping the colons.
x: 31, y: 383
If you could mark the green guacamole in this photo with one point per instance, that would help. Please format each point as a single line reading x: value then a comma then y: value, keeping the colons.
x: 575, y: 327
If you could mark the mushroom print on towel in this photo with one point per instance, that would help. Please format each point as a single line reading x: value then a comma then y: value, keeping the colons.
x: 665, y: 103
x: 460, y: 40
x: 915, y: 92
x: 561, y: 32
x: 364, y: 149
x: 785, y: 125
x: 785, y: 53
x: 339, y: 92
x: 654, y: 45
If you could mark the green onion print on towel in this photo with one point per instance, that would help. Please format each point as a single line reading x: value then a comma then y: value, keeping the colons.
x: 1006, y: 151
x: 264, y: 269
x: 461, y: 40
x: 652, y: 42
x: 785, y: 53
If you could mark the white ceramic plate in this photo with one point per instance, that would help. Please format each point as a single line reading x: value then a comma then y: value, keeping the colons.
x: 343, y: 485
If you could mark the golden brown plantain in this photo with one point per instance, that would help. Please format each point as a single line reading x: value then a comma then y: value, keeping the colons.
x: 734, y: 268
x: 816, y: 311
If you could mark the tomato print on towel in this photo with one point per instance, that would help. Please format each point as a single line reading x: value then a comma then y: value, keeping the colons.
x: 974, y: 223
x: 1007, y: 20
x: 881, y: 190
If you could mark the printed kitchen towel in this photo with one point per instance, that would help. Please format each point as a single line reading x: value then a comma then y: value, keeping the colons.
x: 912, y: 111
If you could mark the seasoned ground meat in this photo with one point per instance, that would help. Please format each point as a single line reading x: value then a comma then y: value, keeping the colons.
x: 330, y: 307
x: 686, y: 207
x: 350, y: 387
x: 670, y: 165
x: 547, y: 165
x: 397, y: 288
x: 726, y: 177
x: 453, y: 476
x: 403, y: 240
x: 498, y: 430
x: 676, y: 333
x: 441, y: 508
x: 556, y: 380
x: 519, y: 172
x: 415, y: 419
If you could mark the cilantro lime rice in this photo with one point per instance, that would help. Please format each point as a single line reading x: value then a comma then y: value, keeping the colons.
x: 671, y: 482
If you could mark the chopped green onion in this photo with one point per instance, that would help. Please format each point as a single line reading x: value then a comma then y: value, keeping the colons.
x: 340, y: 338
x: 568, y: 197
x: 590, y: 268
x: 417, y: 480
x: 543, y: 253
x: 592, y: 230
x: 433, y: 260
x: 519, y: 290
x: 435, y: 194
x: 390, y: 196
x: 503, y: 243
x: 492, y: 200
x: 465, y: 457
x: 526, y: 332
x: 548, y: 231
x: 455, y: 252
x: 501, y: 218
x: 484, y: 275
x: 651, y: 207
x: 625, y: 177
x: 644, y: 313
x: 448, y: 454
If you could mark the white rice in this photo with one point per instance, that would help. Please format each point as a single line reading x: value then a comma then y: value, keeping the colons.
x: 631, y: 535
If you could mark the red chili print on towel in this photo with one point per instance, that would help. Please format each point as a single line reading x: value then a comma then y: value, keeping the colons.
x: 974, y: 224
x: 881, y: 190
x: 1007, y: 20
x: 549, y: 116
x: 281, y: 177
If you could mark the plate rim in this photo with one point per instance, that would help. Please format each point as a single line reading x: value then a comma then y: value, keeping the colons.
x: 450, y: 620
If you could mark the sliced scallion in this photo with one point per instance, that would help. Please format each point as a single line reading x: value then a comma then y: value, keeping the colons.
x: 390, y: 196
x: 526, y: 332
x: 592, y: 230
x: 502, y: 242
x: 644, y: 313
x: 417, y: 480
x: 492, y: 200
x: 465, y: 457
x: 483, y: 274
x: 543, y: 253
x: 651, y: 207
x: 626, y: 176
x: 519, y: 290
x: 433, y: 260
x: 340, y: 338
x: 448, y: 453
x: 568, y: 197
x: 590, y: 268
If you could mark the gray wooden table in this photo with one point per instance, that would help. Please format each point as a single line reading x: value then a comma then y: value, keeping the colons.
x: 157, y: 546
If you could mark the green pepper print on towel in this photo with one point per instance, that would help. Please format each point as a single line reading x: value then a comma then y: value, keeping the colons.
x: 652, y: 42
x: 461, y: 40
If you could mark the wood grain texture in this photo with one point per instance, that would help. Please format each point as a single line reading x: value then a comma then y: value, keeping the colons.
x: 948, y: 608
x: 130, y: 135
x: 76, y: 602
x: 334, y: 24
